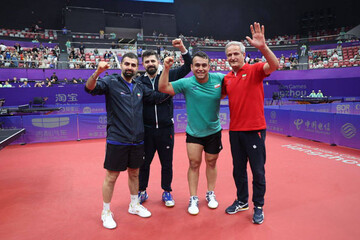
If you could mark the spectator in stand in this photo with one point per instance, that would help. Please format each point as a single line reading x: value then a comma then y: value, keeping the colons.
x: 15, y: 60
x: 68, y: 46
x: 112, y: 35
x: 339, y: 49
x: 106, y: 55
x: 7, y: 84
x: 25, y: 84
x: 139, y: 36
x: 190, y: 50
x: 15, y: 80
x: 312, y: 94
x: 139, y: 52
x: 39, y: 84
x: 96, y: 52
x: 74, y: 81
x: 303, y: 50
x: 294, y: 64
x: 319, y: 94
x: 310, y: 52
x: 335, y: 56
x: 56, y: 51
x: 17, y: 47
x: 12, y: 64
x: 248, y: 58
x: 82, y: 48
x: 2, y: 58
x: 296, y: 56
x: 47, y: 80
x: 64, y: 31
x: 2, y: 48
x: 35, y: 49
x: 291, y: 57
x: 102, y: 34
x: 54, y: 78
x: 41, y: 47
x: 282, y: 59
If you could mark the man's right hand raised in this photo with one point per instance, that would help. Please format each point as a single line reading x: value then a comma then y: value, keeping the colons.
x: 168, y: 62
x: 178, y: 43
x: 102, y: 67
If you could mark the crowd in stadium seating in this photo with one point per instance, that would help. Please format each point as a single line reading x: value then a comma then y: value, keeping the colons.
x: 327, y: 35
x: 34, y: 34
x: 88, y: 58
x: 337, y: 57
x: 82, y: 58
x: 26, y: 57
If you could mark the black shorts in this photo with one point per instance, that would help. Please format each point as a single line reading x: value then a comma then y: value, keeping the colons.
x: 121, y: 157
x: 212, y: 143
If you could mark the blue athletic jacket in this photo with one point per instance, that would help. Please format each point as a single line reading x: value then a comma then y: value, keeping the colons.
x: 125, y: 107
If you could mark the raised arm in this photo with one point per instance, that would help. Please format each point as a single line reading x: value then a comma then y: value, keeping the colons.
x: 91, y: 82
x: 182, y: 71
x: 258, y: 41
x: 164, y: 85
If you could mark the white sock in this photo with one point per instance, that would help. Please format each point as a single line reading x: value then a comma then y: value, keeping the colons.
x: 134, y: 199
x: 106, y: 206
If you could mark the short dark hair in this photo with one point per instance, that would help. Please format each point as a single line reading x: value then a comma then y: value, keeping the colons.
x: 130, y: 55
x: 201, y: 55
x: 149, y: 53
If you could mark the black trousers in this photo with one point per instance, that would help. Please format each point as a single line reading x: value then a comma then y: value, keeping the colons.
x: 249, y: 145
x: 162, y: 141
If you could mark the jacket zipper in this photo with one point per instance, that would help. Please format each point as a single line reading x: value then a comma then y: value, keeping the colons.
x: 156, y: 117
x: 132, y: 109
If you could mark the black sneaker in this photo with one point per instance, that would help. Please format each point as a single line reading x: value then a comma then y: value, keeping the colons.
x: 237, y: 206
x: 258, y: 217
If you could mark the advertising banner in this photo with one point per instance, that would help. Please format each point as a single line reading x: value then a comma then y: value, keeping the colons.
x: 277, y: 120
x: 312, y: 125
x: 347, y: 130
x: 92, y: 125
x: 50, y: 128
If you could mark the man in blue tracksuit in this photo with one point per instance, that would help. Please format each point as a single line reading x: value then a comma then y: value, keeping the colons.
x: 159, y: 124
x: 125, y: 130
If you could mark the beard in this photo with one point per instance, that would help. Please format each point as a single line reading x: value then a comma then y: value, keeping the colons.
x: 129, y: 74
x: 151, y: 70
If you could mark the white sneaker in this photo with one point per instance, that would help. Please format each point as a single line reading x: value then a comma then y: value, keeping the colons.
x: 210, y: 198
x: 193, y: 208
x: 140, y: 210
x: 108, y: 220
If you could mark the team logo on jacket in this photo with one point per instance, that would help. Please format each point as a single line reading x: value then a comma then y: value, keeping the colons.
x: 217, y: 85
x: 138, y: 94
x: 243, y: 76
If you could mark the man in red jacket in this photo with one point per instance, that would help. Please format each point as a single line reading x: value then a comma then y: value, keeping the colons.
x: 244, y: 87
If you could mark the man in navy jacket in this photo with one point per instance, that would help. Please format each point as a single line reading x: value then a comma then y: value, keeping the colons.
x: 159, y: 123
x: 125, y: 130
